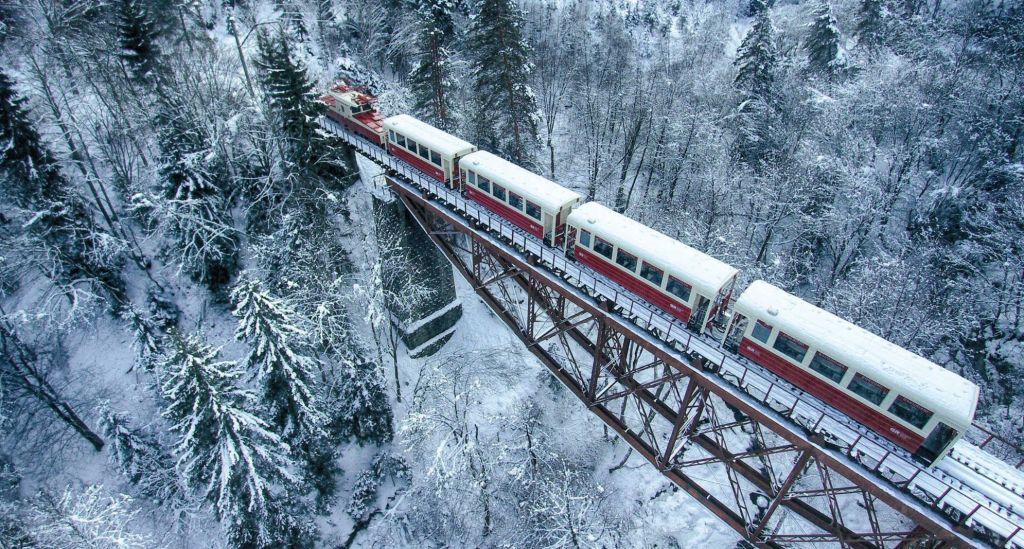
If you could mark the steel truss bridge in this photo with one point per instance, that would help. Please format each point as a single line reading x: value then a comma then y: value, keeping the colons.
x: 794, y: 470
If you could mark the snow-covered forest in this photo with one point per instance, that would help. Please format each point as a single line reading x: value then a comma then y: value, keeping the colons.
x: 197, y: 292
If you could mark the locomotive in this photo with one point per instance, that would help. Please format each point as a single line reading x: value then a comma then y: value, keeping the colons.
x: 911, y: 401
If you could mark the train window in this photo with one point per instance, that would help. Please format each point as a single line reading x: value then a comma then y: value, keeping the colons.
x: 828, y: 367
x: 498, y: 192
x: 654, y: 275
x: 424, y: 153
x: 533, y: 210
x: 626, y: 260
x: 584, y: 238
x: 409, y: 144
x: 761, y: 332
x: 391, y: 136
x: 790, y: 347
x: 435, y: 158
x: 868, y: 389
x: 483, y: 183
x: 603, y: 247
x: 910, y: 412
x: 678, y: 288
x: 515, y: 201
x: 471, y: 177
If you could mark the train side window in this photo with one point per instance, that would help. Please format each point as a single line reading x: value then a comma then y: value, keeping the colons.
x: 626, y: 259
x: 868, y: 389
x: 471, y: 177
x: 603, y: 247
x: 828, y: 367
x: 435, y: 158
x: 391, y: 136
x: 424, y: 153
x: 678, y: 288
x: 584, y: 238
x: 515, y: 201
x: 653, y: 275
x: 498, y: 192
x: 483, y: 183
x: 409, y: 144
x: 909, y: 411
x: 790, y: 347
x: 533, y: 210
x: 761, y: 332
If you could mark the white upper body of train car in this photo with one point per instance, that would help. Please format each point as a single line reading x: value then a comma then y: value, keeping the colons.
x: 682, y: 281
x: 914, y: 402
x: 534, y: 203
x: 427, y: 148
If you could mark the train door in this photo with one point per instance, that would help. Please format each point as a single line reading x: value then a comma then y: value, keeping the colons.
x: 734, y: 333
x: 549, y: 229
x: 700, y: 311
x: 936, y: 444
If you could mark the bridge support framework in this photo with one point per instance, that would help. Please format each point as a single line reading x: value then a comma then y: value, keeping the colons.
x: 780, y: 489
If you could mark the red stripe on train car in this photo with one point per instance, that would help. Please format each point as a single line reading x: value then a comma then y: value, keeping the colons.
x: 504, y: 210
x: 417, y: 162
x: 833, y: 396
x: 635, y: 285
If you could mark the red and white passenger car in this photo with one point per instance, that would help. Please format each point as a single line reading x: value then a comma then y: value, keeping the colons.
x: 688, y: 284
x: 536, y: 204
x: 355, y: 110
x: 910, y: 400
x: 427, y: 148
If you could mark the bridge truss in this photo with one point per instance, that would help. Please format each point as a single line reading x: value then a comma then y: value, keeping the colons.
x: 770, y: 480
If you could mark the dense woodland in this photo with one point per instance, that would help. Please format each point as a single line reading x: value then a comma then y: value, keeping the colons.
x: 186, y: 357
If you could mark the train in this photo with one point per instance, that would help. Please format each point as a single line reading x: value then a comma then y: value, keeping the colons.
x: 909, y: 400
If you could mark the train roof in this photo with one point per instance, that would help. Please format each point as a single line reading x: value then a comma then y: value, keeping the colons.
x: 547, y: 194
x: 444, y: 143
x: 707, y: 274
x: 911, y: 375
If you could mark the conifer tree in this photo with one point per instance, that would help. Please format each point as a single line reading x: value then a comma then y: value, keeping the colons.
x: 823, y: 41
x: 755, y: 7
x: 192, y: 186
x: 363, y: 405
x: 871, y: 25
x: 756, y: 60
x: 506, y: 109
x: 30, y: 179
x: 431, y: 79
x: 139, y: 455
x: 280, y: 358
x: 138, y: 39
x: 226, y: 453
x: 291, y: 97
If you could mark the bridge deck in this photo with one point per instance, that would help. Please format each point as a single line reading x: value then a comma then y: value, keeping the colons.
x: 852, y: 449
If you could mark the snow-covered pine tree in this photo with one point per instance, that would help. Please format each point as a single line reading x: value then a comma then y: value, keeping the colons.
x: 822, y: 44
x: 226, y: 453
x: 138, y: 39
x: 139, y: 455
x: 147, y: 339
x: 756, y: 60
x: 197, y: 215
x: 506, y: 110
x: 30, y: 179
x: 280, y: 358
x: 431, y: 80
x: 291, y: 96
x: 871, y: 23
x: 361, y: 403
x: 755, y: 7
